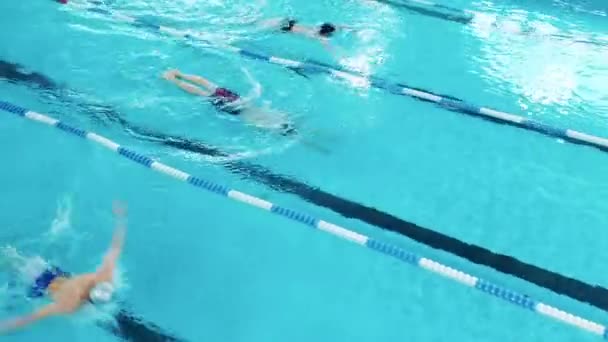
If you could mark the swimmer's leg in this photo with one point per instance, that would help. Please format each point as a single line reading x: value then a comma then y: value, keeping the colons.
x: 174, y: 76
x: 197, y: 80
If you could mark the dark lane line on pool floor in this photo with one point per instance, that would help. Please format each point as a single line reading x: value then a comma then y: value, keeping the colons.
x: 576, y: 289
x: 432, y: 10
x: 130, y: 327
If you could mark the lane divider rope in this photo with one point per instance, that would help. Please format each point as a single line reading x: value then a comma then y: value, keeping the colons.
x: 485, y: 286
x: 467, y: 17
x: 447, y: 102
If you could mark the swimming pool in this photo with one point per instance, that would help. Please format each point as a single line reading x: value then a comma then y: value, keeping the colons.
x: 201, y: 267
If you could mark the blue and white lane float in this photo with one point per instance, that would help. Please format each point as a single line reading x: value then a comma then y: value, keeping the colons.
x: 485, y: 286
x: 468, y: 17
x: 450, y: 103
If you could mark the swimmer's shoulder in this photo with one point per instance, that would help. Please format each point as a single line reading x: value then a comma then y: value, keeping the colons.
x: 79, y: 283
x: 74, y: 292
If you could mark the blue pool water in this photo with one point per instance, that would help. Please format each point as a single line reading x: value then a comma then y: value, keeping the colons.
x: 200, y: 267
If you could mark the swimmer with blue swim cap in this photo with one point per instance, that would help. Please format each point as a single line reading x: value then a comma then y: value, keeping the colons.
x: 69, y: 292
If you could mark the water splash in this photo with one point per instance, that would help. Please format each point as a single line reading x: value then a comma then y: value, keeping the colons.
x: 62, y: 223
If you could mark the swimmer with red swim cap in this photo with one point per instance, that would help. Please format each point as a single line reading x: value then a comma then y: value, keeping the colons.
x: 231, y: 103
x: 62, y: 1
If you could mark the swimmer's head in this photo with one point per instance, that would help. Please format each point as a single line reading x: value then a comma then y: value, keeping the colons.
x: 62, y: 1
x: 326, y: 30
x: 102, y: 293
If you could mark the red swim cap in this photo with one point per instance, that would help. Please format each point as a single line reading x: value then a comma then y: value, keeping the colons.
x: 63, y: 1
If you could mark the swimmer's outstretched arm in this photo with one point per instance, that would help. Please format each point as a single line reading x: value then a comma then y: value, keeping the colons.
x: 105, y: 273
x: 49, y: 310
x: 174, y: 77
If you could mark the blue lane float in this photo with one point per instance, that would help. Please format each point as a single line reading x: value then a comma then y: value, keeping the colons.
x: 467, y: 17
x: 447, y: 102
x: 506, y: 294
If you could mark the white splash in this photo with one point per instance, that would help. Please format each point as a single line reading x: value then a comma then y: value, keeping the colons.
x: 354, y: 80
x: 105, y: 313
x: 62, y: 221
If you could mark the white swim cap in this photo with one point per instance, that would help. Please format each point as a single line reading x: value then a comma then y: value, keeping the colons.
x: 102, y: 293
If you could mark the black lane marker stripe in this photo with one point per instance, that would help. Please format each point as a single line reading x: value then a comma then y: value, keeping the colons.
x: 132, y: 328
x: 576, y: 289
x: 449, y: 14
x: 459, y: 16
x: 573, y: 288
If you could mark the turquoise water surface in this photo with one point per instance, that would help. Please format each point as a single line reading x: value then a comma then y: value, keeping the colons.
x: 200, y: 267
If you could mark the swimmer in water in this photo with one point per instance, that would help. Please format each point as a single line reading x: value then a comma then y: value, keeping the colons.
x: 322, y: 32
x: 68, y: 292
x: 231, y: 103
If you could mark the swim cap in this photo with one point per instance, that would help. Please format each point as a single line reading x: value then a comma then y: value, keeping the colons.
x: 102, y: 293
x: 327, y: 29
x: 63, y: 1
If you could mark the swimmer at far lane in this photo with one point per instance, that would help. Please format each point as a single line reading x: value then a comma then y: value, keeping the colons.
x: 68, y: 292
x: 322, y: 32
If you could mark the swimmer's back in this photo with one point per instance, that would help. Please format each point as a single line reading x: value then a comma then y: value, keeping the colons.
x: 70, y: 293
